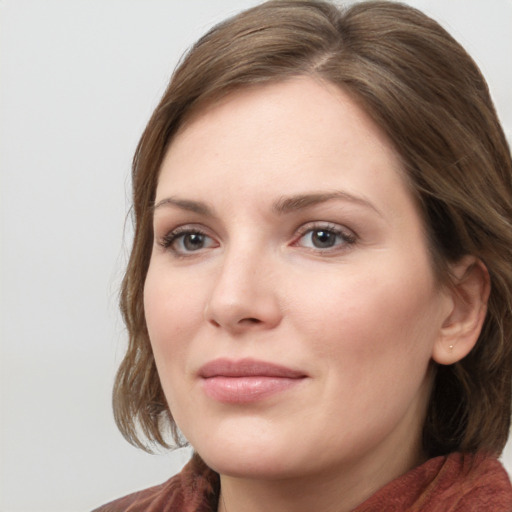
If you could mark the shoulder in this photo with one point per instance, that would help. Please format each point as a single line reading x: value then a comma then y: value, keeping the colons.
x: 483, y: 484
x: 155, y: 498
x: 194, y: 489
x: 466, y: 483
x: 453, y: 483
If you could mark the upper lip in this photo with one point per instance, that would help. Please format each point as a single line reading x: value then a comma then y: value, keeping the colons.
x: 247, y: 368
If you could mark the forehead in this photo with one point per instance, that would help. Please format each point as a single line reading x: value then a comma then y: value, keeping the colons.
x: 295, y: 135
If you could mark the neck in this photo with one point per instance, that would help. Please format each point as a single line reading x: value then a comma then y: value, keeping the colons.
x: 336, y: 490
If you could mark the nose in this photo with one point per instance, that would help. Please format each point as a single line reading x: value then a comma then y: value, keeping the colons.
x: 245, y: 295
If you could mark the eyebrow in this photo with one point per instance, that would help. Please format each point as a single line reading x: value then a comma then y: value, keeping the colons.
x: 186, y: 204
x: 301, y: 201
x: 282, y: 206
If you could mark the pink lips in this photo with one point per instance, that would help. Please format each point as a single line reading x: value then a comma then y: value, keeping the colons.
x: 246, y: 380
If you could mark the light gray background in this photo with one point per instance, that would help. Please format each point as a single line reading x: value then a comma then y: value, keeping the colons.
x: 78, y: 81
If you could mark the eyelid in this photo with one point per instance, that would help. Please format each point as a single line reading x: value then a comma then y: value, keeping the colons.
x: 324, y: 224
x: 348, y: 236
x: 167, y: 240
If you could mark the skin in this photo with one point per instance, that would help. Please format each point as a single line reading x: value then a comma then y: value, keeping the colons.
x: 361, y: 319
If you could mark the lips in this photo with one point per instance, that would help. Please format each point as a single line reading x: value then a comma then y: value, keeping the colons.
x: 246, y: 380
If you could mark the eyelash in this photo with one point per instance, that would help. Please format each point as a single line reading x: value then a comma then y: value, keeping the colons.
x: 173, y: 236
x: 347, y: 238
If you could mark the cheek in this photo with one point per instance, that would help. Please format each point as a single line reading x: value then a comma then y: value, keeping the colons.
x: 172, y: 312
x: 373, y: 339
x: 371, y: 319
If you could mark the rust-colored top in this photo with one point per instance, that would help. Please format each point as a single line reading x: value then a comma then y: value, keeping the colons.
x: 454, y: 483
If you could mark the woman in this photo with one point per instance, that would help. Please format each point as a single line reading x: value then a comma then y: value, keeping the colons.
x: 319, y: 292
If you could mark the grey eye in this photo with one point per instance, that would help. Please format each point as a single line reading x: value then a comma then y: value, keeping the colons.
x: 323, y: 239
x: 184, y: 242
x: 193, y: 241
x: 326, y: 237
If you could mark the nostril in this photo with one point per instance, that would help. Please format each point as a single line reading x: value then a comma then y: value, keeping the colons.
x: 250, y: 320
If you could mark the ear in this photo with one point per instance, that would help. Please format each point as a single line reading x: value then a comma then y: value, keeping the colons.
x: 469, y: 293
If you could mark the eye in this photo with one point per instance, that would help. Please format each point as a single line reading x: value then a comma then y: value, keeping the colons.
x: 184, y: 241
x: 325, y: 237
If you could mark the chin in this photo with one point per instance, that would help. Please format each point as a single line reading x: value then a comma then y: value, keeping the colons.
x: 258, y: 466
x: 248, y: 457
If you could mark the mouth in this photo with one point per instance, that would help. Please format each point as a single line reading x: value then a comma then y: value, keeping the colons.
x: 246, y: 380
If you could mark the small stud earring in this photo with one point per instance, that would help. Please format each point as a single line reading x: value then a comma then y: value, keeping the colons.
x: 451, y: 347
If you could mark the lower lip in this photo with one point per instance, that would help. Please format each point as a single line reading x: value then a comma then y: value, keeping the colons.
x: 239, y: 390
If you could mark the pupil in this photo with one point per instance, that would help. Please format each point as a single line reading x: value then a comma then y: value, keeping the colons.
x: 193, y: 241
x: 323, y: 239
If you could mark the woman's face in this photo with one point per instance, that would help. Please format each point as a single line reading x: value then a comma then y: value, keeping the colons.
x: 290, y: 300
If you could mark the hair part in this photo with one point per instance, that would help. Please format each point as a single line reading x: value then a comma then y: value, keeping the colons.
x: 428, y: 96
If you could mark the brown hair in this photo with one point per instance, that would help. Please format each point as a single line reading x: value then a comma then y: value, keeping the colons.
x: 428, y: 96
